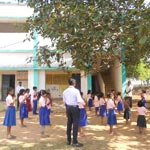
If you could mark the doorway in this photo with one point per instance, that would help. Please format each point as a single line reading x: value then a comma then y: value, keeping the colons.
x: 7, y: 81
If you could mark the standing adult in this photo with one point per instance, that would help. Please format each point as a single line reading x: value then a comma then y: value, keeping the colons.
x: 128, y: 92
x: 18, y: 88
x: 72, y: 98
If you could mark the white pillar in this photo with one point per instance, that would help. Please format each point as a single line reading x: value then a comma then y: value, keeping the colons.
x: 101, y: 83
x: 116, y: 72
x: 84, y: 87
x: 42, y: 79
x: 30, y: 79
x: 0, y: 86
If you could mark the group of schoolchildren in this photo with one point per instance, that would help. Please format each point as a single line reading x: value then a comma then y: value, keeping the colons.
x: 27, y: 103
x: 106, y: 107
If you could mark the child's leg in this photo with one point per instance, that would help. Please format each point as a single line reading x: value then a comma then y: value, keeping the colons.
x: 102, y: 120
x: 140, y: 130
x: 126, y: 121
x: 42, y: 130
x: 111, y: 129
x: 8, y: 131
x: 22, y: 124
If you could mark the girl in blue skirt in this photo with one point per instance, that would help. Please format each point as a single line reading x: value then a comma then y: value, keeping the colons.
x: 89, y: 99
x: 120, y: 103
x: 49, y: 105
x: 83, y: 116
x: 111, y: 120
x: 102, y: 111
x: 23, y: 107
x: 43, y: 115
x: 10, y: 115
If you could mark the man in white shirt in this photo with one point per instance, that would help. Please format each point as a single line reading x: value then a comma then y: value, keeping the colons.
x: 18, y: 88
x: 72, y: 98
x: 128, y: 92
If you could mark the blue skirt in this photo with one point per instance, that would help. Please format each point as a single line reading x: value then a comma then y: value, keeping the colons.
x: 83, y: 118
x: 102, y: 111
x: 90, y: 103
x: 48, y: 115
x: 23, y: 111
x: 10, y: 116
x: 111, y: 120
x: 96, y: 109
x: 43, y: 116
x: 120, y: 106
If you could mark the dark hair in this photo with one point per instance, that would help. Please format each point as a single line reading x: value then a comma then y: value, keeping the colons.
x: 119, y: 93
x: 81, y: 93
x: 143, y: 91
x: 27, y: 90
x: 108, y: 95
x: 71, y: 81
x: 140, y: 104
x: 126, y: 98
x: 21, y: 91
x: 34, y: 87
x: 101, y: 95
x: 9, y: 90
x: 89, y: 92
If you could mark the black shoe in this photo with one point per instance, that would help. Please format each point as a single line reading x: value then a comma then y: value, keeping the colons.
x: 77, y: 144
x: 68, y: 142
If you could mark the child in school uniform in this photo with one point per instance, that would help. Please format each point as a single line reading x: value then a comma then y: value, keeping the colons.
x: 28, y: 100
x: 143, y: 98
x: 111, y: 120
x: 90, y: 100
x: 127, y: 111
x: 96, y: 104
x: 43, y: 117
x: 141, y: 120
x: 34, y: 100
x: 102, y: 111
x: 23, y: 107
x: 120, y: 103
x: 10, y: 115
x: 83, y: 116
x: 48, y: 105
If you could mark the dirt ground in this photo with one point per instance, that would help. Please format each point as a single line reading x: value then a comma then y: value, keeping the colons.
x: 97, y: 136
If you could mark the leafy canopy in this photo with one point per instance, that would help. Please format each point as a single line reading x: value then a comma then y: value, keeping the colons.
x: 94, y: 32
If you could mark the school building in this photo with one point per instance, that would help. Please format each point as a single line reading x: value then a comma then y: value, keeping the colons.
x: 15, y: 50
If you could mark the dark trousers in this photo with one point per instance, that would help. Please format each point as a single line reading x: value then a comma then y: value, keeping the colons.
x: 73, y: 115
x: 34, y: 106
x: 17, y: 101
x: 130, y: 100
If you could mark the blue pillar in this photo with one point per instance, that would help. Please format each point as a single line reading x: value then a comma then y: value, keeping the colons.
x: 123, y: 79
x: 89, y: 82
x: 35, y: 63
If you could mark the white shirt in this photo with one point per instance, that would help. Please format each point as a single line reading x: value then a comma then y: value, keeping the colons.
x: 9, y: 100
x: 128, y: 88
x: 33, y: 95
x: 71, y: 96
x: 18, y: 88
x: 96, y: 101
x: 22, y: 99
x: 110, y: 104
x: 42, y: 102
x: 102, y: 101
x: 142, y: 111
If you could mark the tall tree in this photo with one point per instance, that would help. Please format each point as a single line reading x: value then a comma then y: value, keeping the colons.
x: 94, y: 32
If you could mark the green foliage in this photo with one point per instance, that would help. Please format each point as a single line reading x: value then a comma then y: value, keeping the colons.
x: 143, y: 71
x: 94, y: 32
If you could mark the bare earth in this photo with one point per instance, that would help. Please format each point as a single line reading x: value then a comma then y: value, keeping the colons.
x: 97, y: 136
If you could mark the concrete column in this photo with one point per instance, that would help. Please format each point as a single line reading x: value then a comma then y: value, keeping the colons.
x: 123, y: 68
x: 42, y: 79
x: 101, y: 83
x: 30, y: 79
x: 116, y: 71
x: 0, y: 86
x: 89, y: 82
x: 84, y: 87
